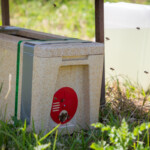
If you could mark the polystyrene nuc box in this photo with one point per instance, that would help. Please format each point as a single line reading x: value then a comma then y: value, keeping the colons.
x: 59, y: 79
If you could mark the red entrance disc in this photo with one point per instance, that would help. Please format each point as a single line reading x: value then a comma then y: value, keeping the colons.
x: 64, y: 105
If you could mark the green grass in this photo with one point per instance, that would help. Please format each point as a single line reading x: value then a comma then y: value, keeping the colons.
x: 71, y: 18
x: 17, y: 137
x: 124, y: 125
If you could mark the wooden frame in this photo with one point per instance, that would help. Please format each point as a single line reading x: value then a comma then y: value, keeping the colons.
x: 99, y: 30
x: 99, y: 36
x: 5, y: 12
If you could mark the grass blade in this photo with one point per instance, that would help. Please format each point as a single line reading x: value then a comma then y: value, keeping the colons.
x: 49, y: 133
x: 54, y: 146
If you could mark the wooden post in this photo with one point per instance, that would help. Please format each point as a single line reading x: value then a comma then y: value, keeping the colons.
x: 5, y: 12
x: 99, y: 36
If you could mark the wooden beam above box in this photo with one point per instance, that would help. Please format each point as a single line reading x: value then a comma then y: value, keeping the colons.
x: 5, y: 12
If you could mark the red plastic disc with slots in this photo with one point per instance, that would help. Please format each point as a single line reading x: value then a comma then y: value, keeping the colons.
x: 64, y: 105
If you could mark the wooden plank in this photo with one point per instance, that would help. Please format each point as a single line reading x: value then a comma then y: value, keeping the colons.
x: 5, y: 12
x: 99, y: 36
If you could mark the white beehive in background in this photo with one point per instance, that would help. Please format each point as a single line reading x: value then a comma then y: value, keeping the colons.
x: 127, y: 46
x: 59, y: 79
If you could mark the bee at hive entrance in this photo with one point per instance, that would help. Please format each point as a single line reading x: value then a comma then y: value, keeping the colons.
x: 64, y: 105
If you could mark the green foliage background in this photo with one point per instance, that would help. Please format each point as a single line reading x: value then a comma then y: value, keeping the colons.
x: 74, y: 18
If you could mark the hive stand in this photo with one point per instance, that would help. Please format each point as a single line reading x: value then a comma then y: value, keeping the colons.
x: 99, y: 30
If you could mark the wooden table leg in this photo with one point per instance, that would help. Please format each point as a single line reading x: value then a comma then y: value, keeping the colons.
x: 99, y: 35
x: 5, y: 12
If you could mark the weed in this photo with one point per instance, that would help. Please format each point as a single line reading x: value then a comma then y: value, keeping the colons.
x: 124, y: 100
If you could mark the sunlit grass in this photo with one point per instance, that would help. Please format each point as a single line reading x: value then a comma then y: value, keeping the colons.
x: 71, y: 18
x: 126, y: 111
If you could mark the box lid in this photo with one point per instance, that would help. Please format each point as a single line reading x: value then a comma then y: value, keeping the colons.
x: 67, y: 48
x: 51, y: 45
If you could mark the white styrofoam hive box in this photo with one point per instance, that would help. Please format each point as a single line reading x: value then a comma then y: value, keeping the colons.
x: 59, y: 79
x: 127, y: 26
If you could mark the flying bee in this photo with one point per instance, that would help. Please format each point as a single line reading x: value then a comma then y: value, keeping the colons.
x: 146, y: 72
x: 112, y: 69
x: 107, y: 38
x: 54, y: 5
x: 138, y: 28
